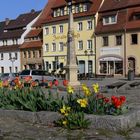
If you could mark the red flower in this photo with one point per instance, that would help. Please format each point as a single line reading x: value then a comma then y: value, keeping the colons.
x: 65, y: 82
x: 50, y: 84
x: 122, y: 99
x: 56, y: 83
x: 106, y: 100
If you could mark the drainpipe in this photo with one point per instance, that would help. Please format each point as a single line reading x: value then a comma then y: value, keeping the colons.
x: 95, y: 46
x: 124, y: 65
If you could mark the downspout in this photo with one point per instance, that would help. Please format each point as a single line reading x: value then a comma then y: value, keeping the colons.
x: 95, y: 46
x: 125, y: 49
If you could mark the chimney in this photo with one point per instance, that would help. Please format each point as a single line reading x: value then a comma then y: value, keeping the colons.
x: 7, y: 20
x: 32, y: 11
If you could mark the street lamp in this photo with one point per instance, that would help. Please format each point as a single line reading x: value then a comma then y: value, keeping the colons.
x: 88, y: 53
x: 12, y: 59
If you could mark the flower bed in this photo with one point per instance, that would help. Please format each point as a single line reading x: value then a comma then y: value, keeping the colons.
x: 72, y: 107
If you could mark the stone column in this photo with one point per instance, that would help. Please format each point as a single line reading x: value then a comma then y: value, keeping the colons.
x: 71, y: 66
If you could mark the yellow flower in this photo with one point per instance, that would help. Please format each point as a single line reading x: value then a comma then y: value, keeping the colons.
x: 82, y: 102
x: 65, y: 110
x: 96, y: 88
x: 70, y: 89
x: 86, y: 90
x: 1, y: 84
x: 64, y: 122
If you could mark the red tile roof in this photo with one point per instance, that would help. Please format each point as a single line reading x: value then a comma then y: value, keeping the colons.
x: 11, y: 34
x: 22, y: 20
x: 34, y: 33
x: 119, y: 26
x: 110, y: 5
x: 47, y: 13
x: 9, y: 48
x: 31, y: 44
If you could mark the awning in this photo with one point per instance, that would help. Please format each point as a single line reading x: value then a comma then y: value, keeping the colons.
x: 110, y: 59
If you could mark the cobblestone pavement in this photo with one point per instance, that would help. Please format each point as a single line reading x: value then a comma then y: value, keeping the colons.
x: 14, y: 130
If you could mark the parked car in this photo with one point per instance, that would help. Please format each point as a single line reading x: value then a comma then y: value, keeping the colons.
x: 7, y: 76
x: 37, y: 75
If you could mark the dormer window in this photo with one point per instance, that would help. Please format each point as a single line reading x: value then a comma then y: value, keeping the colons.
x: 54, y: 13
x: 77, y: 9
x: 84, y: 7
x: 109, y: 20
x: 136, y: 16
x: 62, y: 12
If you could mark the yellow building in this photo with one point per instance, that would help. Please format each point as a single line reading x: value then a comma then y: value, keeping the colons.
x: 55, y: 35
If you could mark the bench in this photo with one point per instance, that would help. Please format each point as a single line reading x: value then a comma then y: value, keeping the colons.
x: 115, y: 85
x: 134, y: 84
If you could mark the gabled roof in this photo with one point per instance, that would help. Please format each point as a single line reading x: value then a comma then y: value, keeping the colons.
x: 9, y: 48
x: 31, y: 44
x: 2, y: 25
x: 22, y: 20
x: 110, y: 5
x: 47, y: 13
x: 34, y: 33
x: 92, y: 11
x: 11, y: 34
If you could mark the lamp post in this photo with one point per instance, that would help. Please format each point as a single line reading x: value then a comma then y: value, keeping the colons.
x: 88, y: 54
x: 12, y: 59
x: 71, y: 66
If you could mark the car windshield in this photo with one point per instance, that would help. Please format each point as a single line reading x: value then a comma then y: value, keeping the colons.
x: 25, y: 72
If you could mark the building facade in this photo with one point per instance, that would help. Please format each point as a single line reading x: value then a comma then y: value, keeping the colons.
x: 55, y: 35
x: 117, y: 38
x: 11, y: 38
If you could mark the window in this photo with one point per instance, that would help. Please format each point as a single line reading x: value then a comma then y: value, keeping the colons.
x: 68, y: 10
x: 10, y: 55
x: 39, y: 53
x: 118, y: 40
x: 89, y: 27
x: 29, y: 54
x: 134, y: 38
x: 4, y: 42
x: 1, y: 56
x: 10, y: 69
x: 54, y: 30
x: 110, y: 20
x: 89, y: 44
x: 16, y: 69
x: 2, y: 69
x: 77, y: 9
x: 85, y: 7
x: 47, y: 31
x: 61, y: 11
x: 47, y: 47
x: 54, y: 47
x: 61, y: 46
x: 80, y: 45
x: 80, y: 26
x: 24, y: 54
x: 16, y: 56
x: 33, y: 54
x: 61, y: 28
x: 105, y: 41
x: 54, y: 13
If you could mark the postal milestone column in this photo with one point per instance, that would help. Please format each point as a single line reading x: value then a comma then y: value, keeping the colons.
x: 71, y: 66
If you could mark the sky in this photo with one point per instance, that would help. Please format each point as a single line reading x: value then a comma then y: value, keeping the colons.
x: 12, y: 8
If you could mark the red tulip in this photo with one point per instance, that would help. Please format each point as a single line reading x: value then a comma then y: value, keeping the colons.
x: 56, y: 83
x: 65, y: 82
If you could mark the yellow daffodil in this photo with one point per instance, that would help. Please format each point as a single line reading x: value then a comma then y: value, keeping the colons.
x: 82, y: 102
x: 1, y: 84
x: 86, y: 90
x: 96, y: 88
x: 64, y: 122
x: 65, y: 110
x: 70, y: 89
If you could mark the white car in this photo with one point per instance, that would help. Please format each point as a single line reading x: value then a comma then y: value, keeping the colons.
x: 37, y: 75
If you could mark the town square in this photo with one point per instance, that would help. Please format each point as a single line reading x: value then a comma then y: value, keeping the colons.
x: 71, y: 71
